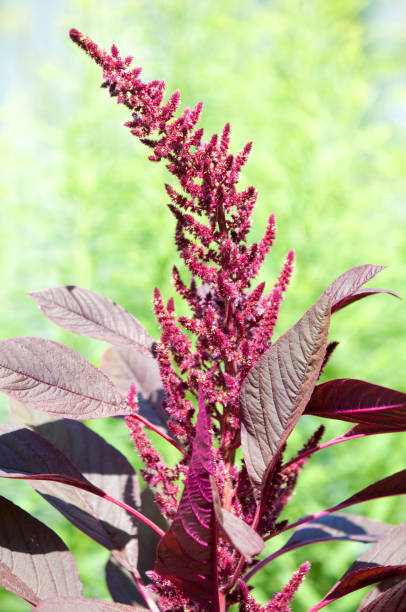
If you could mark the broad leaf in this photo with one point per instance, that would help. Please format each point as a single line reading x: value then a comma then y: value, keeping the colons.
x: 187, y: 553
x: 80, y: 604
x: 388, y: 596
x: 385, y: 559
x: 277, y: 389
x: 241, y: 535
x: 89, y: 314
x: 125, y: 366
x: 24, y: 454
x: 346, y: 289
x: 34, y: 562
x: 48, y: 376
x: 108, y: 469
x: 358, y: 401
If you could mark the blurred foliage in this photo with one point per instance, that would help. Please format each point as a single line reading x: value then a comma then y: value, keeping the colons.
x: 319, y: 87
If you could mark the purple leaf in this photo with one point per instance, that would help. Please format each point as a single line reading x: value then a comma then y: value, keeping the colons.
x: 346, y: 289
x: 277, y: 389
x: 388, y: 596
x: 48, y: 376
x: 385, y: 559
x: 34, y: 562
x: 80, y: 604
x: 88, y: 314
x: 187, y: 553
x: 108, y: 469
x: 247, y: 541
x: 121, y: 584
x: 377, y: 409
x: 24, y: 454
x: 125, y: 366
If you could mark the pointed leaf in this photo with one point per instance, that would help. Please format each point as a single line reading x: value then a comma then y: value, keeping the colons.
x: 277, y: 389
x: 388, y: 596
x: 361, y: 402
x: 34, y: 562
x: 241, y: 535
x: 121, y: 585
x: 125, y: 366
x: 24, y: 454
x: 346, y: 289
x: 88, y: 314
x: 385, y: 559
x: 108, y: 469
x: 187, y: 553
x: 80, y: 604
x: 48, y: 376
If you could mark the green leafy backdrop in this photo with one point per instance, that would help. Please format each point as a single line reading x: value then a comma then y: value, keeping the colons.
x: 318, y: 85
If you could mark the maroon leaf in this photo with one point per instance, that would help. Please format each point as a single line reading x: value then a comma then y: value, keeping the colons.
x: 48, y: 376
x: 34, y: 562
x: 80, y: 604
x: 88, y: 314
x: 385, y: 559
x: 24, y: 454
x: 247, y: 541
x: 125, y: 366
x: 388, y: 596
x: 187, y: 553
x: 377, y: 409
x: 277, y: 389
x: 346, y: 289
x: 121, y: 584
x: 108, y: 469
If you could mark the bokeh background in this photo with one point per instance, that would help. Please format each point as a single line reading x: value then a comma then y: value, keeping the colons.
x: 319, y: 86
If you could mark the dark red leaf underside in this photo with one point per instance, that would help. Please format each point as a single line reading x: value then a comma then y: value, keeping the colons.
x: 388, y: 596
x: 125, y: 366
x: 106, y: 468
x: 346, y: 289
x: 80, y: 604
x: 392, y: 485
x: 34, y: 562
x: 385, y: 559
x: 187, y: 553
x: 277, y: 389
x: 377, y: 409
x: 88, y: 314
x: 51, y: 377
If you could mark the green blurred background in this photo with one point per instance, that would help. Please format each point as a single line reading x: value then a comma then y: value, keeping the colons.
x: 319, y: 86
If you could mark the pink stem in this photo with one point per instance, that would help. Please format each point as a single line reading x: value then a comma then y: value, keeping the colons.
x: 310, y: 452
x: 144, y: 592
x: 160, y: 433
x: 133, y: 511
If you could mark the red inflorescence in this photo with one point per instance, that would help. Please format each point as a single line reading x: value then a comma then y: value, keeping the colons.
x: 231, y: 323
